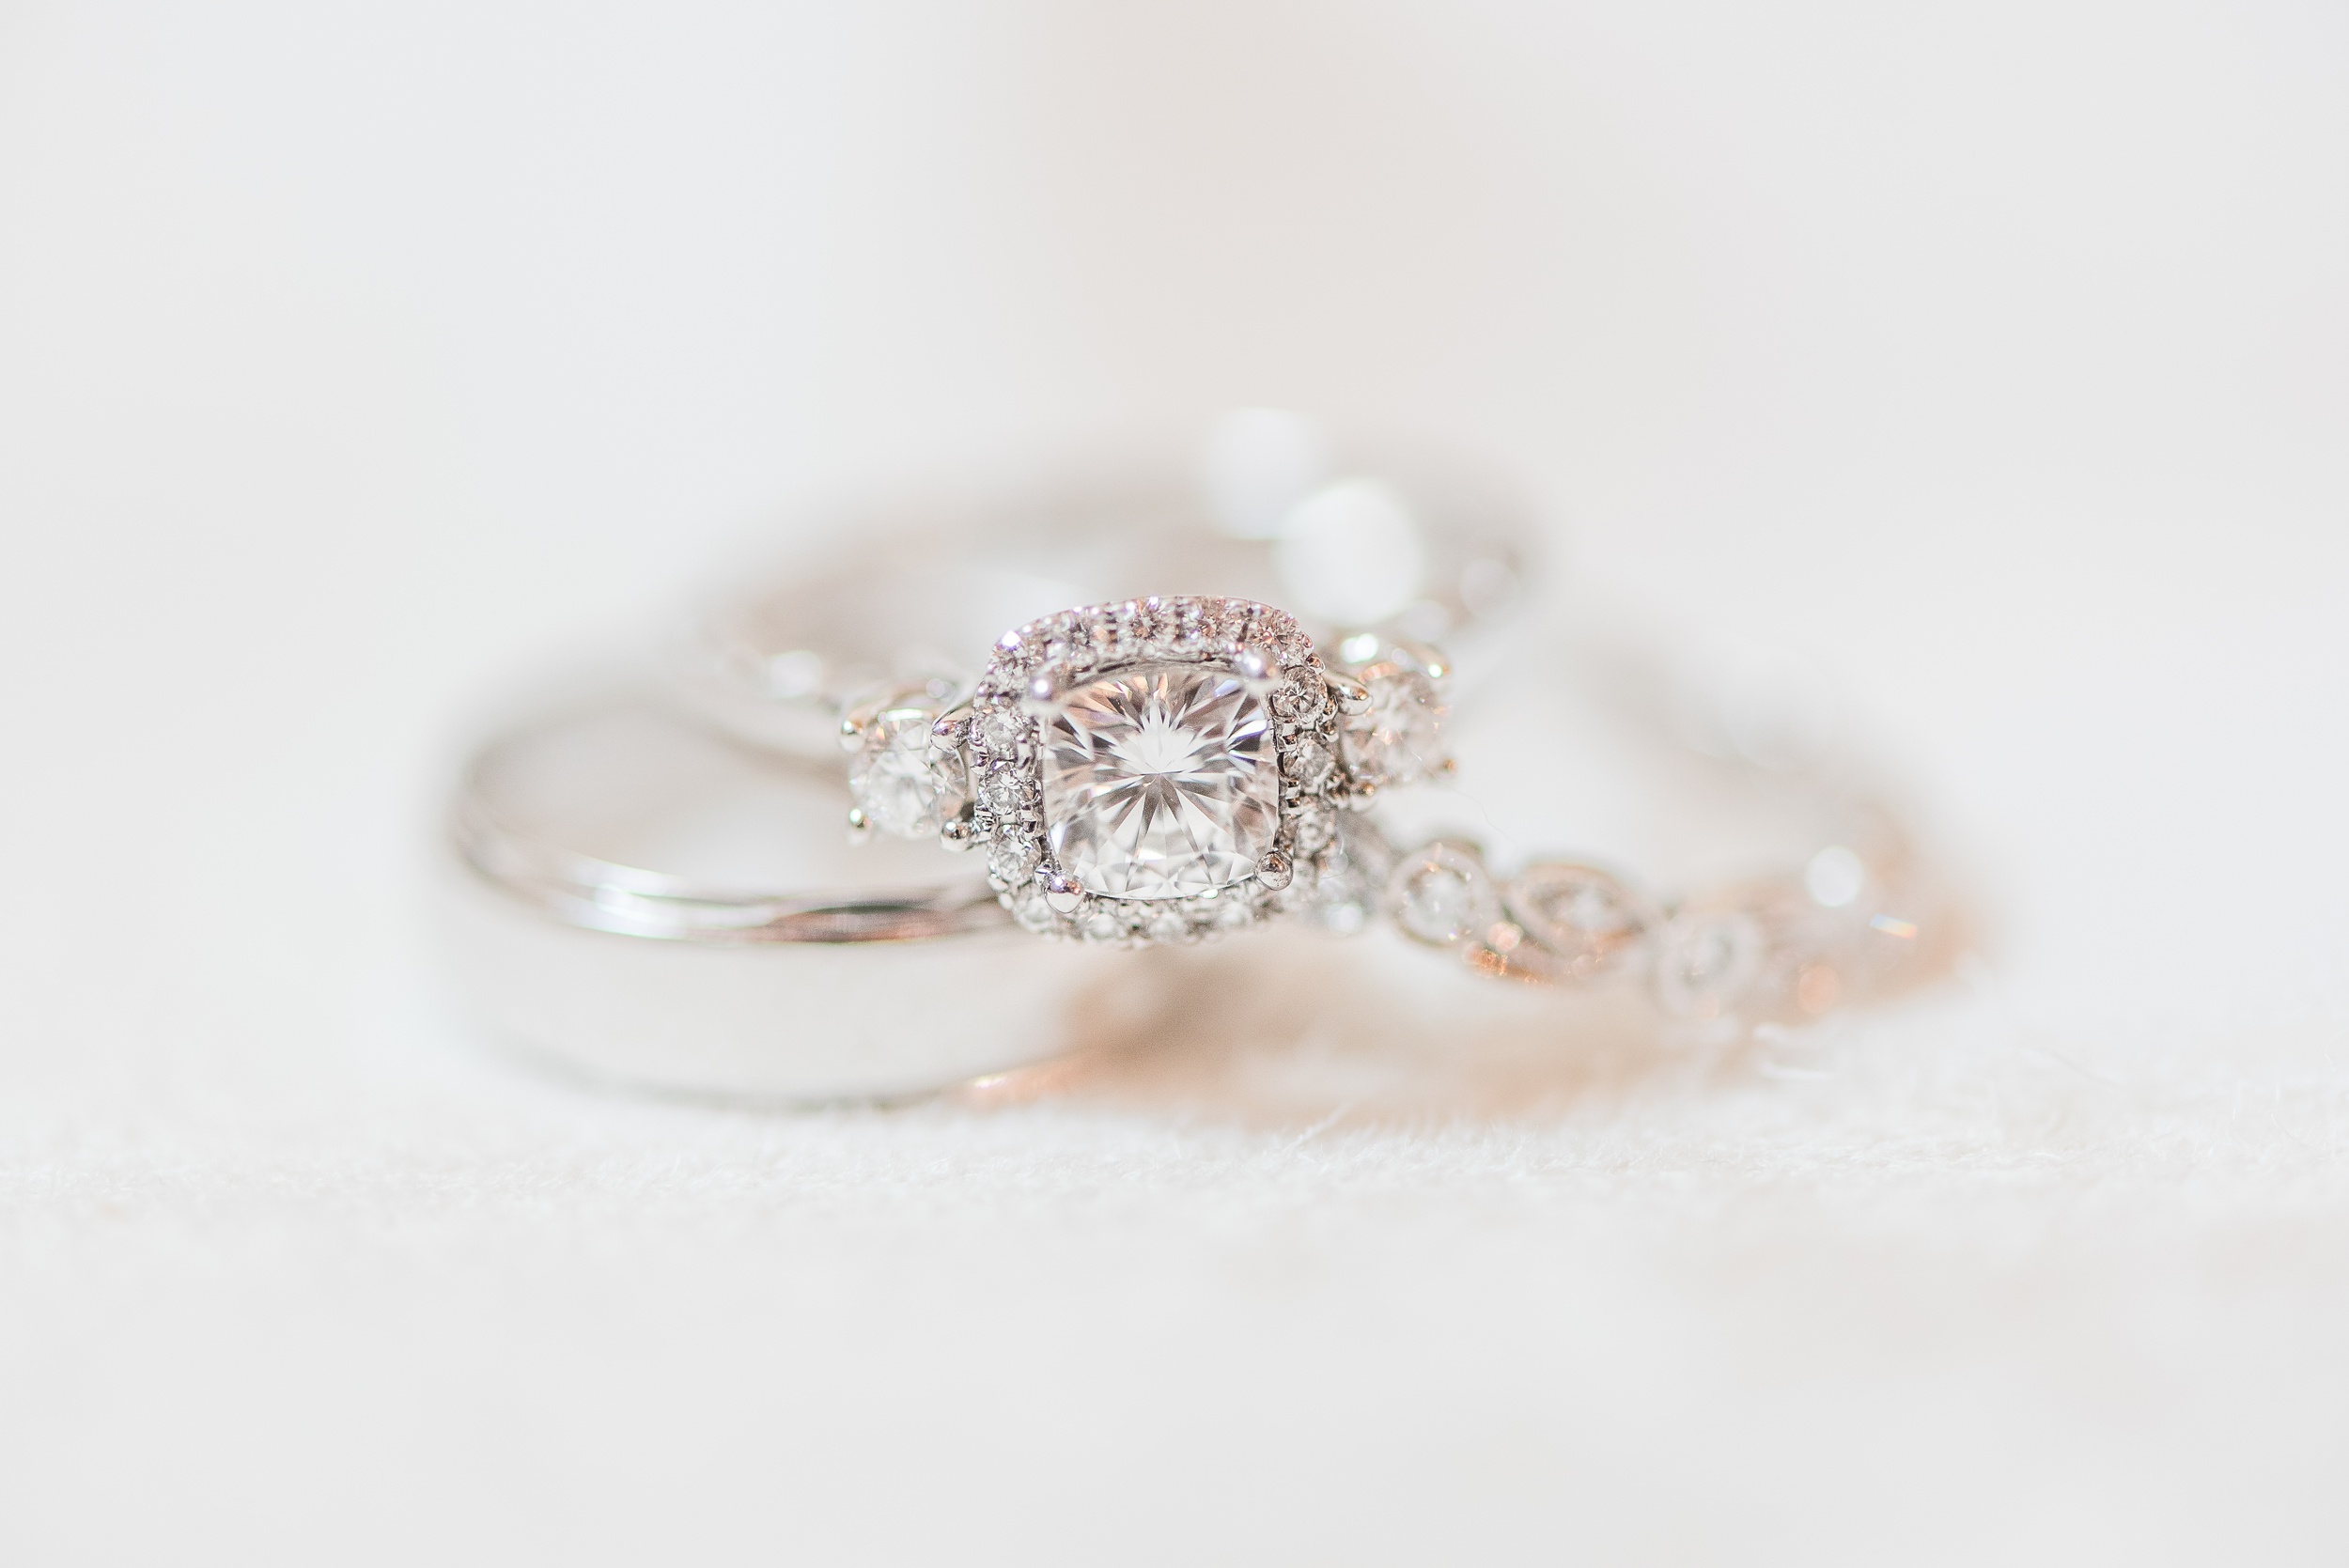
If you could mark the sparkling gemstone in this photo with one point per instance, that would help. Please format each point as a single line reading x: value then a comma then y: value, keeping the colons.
x: 1159, y: 782
x: 1400, y: 740
x: 1304, y: 702
x: 1113, y: 636
x: 1001, y: 731
x: 1168, y: 927
x: 1441, y: 907
x: 1441, y: 895
x: 1103, y: 926
x: 1029, y: 908
x: 1580, y: 914
x: 1012, y: 858
x: 1003, y: 793
x: 901, y: 783
x: 1310, y: 762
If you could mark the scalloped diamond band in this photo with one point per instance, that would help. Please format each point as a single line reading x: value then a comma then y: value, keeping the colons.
x: 1845, y: 926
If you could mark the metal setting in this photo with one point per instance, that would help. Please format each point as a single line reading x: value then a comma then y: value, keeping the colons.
x: 1418, y: 550
x: 1155, y: 770
x: 635, y: 899
x: 1785, y: 950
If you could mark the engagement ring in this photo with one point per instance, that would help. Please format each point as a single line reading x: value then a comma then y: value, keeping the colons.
x: 1158, y: 770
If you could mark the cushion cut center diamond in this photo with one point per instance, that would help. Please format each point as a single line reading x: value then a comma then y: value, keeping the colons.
x: 1160, y: 782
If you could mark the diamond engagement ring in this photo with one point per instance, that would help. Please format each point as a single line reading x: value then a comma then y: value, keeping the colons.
x: 651, y: 884
x: 1155, y: 770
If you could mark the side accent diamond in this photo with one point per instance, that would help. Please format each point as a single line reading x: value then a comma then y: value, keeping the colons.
x: 901, y: 783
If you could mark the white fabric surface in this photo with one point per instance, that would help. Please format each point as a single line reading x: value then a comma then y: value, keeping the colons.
x: 1992, y: 356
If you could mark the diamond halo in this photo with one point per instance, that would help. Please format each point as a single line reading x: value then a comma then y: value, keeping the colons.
x: 1155, y: 771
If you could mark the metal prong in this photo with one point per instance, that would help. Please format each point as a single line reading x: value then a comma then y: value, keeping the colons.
x: 956, y: 834
x: 860, y: 826
x: 1061, y: 893
x: 1351, y: 695
x: 1250, y: 664
x: 1038, y: 698
x: 851, y: 733
x: 1274, y: 871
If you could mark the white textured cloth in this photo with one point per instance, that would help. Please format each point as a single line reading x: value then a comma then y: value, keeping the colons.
x: 1991, y: 357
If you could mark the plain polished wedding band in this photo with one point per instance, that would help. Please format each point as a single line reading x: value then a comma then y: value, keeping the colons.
x: 764, y: 959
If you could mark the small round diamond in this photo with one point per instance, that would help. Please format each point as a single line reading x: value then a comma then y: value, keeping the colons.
x: 1305, y: 702
x: 1167, y: 927
x: 1309, y: 763
x: 1440, y: 905
x: 1004, y: 794
x: 1029, y: 908
x: 1400, y: 740
x: 1578, y: 915
x: 900, y: 783
x: 1001, y: 731
x: 1103, y: 925
x: 1011, y: 858
x: 1441, y: 895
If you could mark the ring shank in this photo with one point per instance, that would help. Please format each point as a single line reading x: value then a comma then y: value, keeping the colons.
x: 780, y: 964
x: 921, y: 592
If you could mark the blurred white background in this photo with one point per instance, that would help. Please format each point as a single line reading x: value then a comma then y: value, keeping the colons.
x: 1996, y: 356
